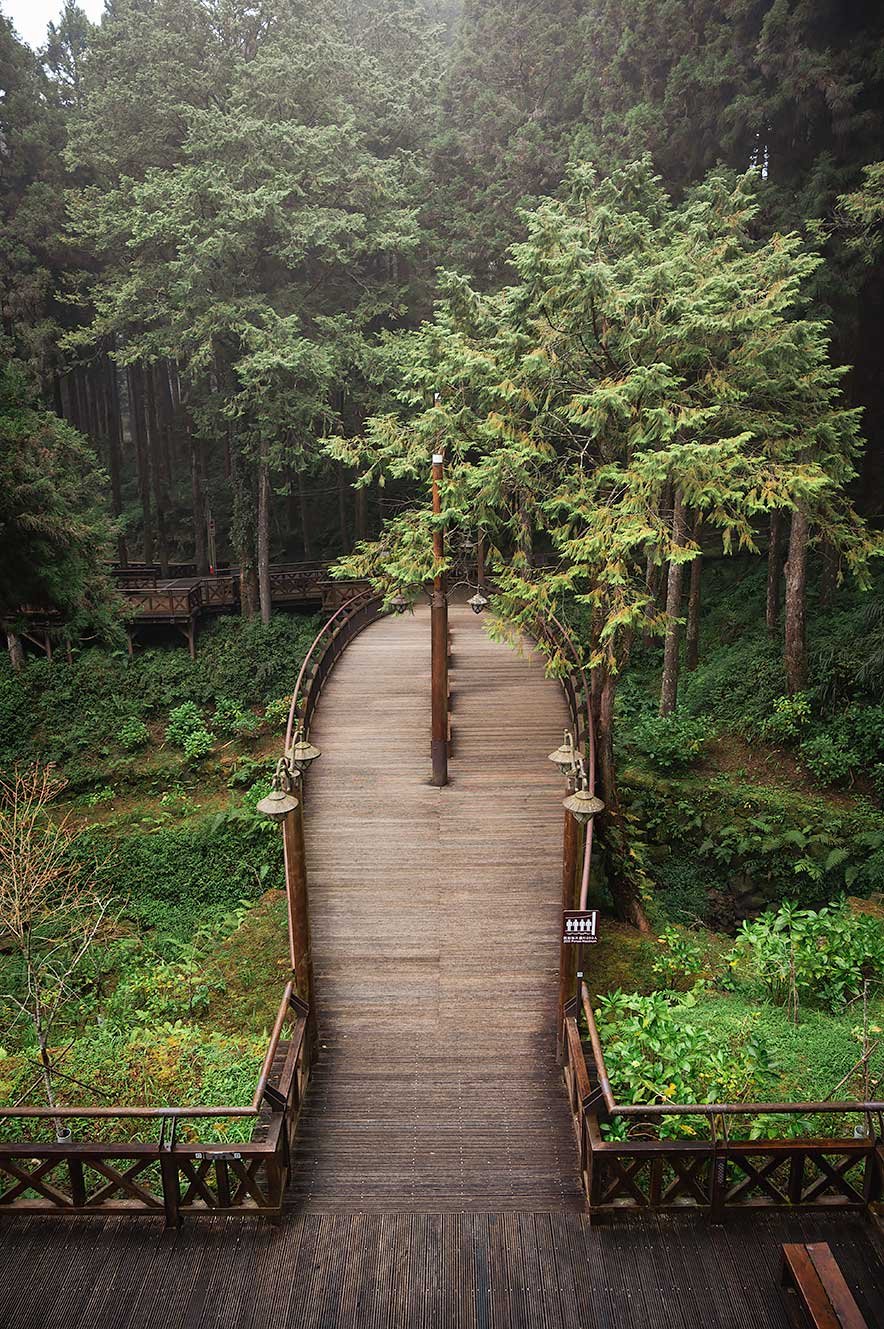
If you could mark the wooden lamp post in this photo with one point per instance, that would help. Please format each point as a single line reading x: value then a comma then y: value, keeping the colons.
x: 439, y: 643
x: 283, y: 806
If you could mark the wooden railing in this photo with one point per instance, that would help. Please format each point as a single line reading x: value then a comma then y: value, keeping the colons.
x: 167, y: 1177
x: 718, y: 1173
x: 170, y: 1177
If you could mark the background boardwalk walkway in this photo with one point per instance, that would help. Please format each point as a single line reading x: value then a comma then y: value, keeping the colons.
x: 435, y: 923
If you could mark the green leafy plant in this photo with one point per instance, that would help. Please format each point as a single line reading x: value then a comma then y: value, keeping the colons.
x: 823, y: 956
x: 829, y: 756
x: 670, y: 742
x: 678, y: 960
x: 790, y: 717
x: 133, y: 734
x: 231, y: 719
x: 656, y: 1054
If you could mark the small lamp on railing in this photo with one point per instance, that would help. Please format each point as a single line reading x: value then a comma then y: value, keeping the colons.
x: 478, y: 603
x: 281, y: 800
x: 302, y: 753
x: 582, y: 804
x: 565, y: 757
x: 399, y: 604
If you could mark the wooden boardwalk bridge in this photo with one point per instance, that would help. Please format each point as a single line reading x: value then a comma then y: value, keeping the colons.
x: 434, y: 1180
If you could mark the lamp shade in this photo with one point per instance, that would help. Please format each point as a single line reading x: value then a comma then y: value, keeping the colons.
x: 583, y: 805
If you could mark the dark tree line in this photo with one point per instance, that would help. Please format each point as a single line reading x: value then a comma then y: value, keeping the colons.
x: 211, y: 211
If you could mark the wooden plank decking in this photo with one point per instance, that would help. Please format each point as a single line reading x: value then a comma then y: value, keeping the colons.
x: 435, y: 1182
x: 435, y: 916
x: 419, y: 1271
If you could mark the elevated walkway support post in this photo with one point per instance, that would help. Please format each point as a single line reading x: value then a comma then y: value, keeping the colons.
x: 439, y: 644
x: 296, y: 897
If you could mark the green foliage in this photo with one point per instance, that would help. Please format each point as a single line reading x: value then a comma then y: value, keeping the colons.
x: 175, y: 877
x: 824, y: 956
x: 670, y: 742
x: 790, y: 717
x: 679, y: 959
x: 133, y: 734
x: 655, y: 1053
x: 231, y: 720
x: 745, y: 846
x: 829, y: 757
x: 187, y: 730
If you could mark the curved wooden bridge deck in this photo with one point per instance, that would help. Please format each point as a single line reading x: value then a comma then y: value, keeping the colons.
x: 435, y: 916
x: 435, y: 1182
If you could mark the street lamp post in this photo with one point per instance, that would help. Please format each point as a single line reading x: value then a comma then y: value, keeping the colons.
x: 282, y: 805
x: 439, y: 643
x: 567, y: 954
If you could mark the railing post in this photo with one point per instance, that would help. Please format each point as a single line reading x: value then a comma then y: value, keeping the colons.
x: 169, y: 1176
x: 78, y: 1182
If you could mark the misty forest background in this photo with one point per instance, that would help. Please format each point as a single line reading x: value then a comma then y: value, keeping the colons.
x: 242, y: 247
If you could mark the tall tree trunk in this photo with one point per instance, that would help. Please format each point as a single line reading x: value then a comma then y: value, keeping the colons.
x: 165, y: 411
x: 15, y: 649
x: 305, y: 520
x: 692, y: 636
x: 155, y: 451
x: 669, y: 690
x: 796, y: 596
x: 361, y: 513
x: 264, y: 536
x: 652, y: 581
x: 342, y: 509
x: 114, y: 451
x: 774, y: 571
x: 198, y: 502
x: 139, y: 438
x: 242, y: 531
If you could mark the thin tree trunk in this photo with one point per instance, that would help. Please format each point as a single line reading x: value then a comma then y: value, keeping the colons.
x: 165, y: 420
x: 652, y: 579
x: 198, y: 502
x: 692, y: 635
x: 15, y: 649
x: 342, y: 509
x: 155, y: 450
x: 795, y: 658
x: 774, y: 571
x: 114, y: 451
x: 669, y: 690
x: 264, y: 536
x: 139, y: 438
x: 243, y: 532
x: 361, y: 512
x: 305, y: 520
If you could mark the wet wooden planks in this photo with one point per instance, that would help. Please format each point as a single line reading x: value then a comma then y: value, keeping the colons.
x: 420, y: 1271
x: 434, y: 918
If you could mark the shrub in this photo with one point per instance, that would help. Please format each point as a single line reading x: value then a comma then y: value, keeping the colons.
x: 678, y: 960
x: 790, y: 717
x: 822, y: 955
x: 133, y: 734
x: 197, y: 744
x: 230, y: 718
x: 183, y: 721
x: 276, y: 713
x: 670, y: 742
x: 829, y: 757
x: 655, y: 1054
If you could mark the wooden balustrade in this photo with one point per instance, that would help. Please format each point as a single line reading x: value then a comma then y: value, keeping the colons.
x: 168, y: 1177
x: 715, y: 1174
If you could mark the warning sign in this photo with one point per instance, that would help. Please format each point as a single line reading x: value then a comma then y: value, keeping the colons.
x: 580, y: 926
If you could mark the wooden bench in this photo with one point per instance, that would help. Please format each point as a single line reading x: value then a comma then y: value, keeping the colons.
x: 814, y: 1290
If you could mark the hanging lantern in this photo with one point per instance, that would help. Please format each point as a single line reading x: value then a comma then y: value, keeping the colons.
x: 280, y: 801
x: 583, y: 805
x: 478, y: 603
x: 399, y: 604
x: 302, y: 754
x: 565, y: 757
